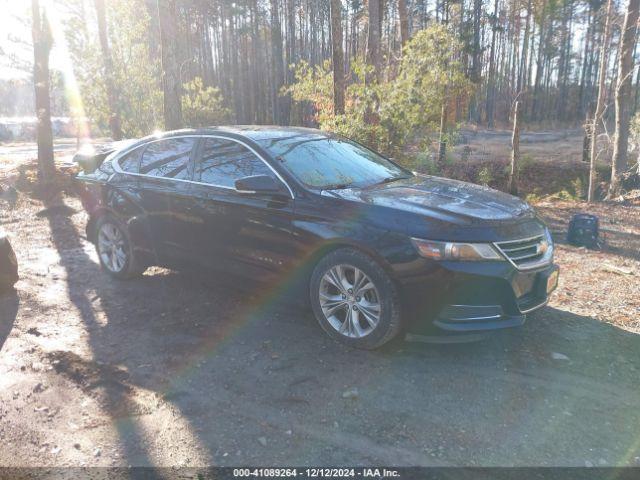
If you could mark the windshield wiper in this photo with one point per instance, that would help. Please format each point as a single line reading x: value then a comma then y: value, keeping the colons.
x: 392, y: 179
x: 338, y: 186
x: 342, y: 186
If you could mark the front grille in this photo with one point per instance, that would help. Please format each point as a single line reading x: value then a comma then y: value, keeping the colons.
x: 525, y: 253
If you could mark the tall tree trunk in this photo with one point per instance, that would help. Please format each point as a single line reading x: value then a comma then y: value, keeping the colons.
x: 254, y: 82
x: 540, y: 62
x: 623, y: 96
x: 525, y: 51
x: 585, y: 60
x: 170, y: 69
x: 153, y: 32
x: 42, y: 43
x: 592, y: 67
x: 475, y: 59
x: 404, y: 21
x: 291, y: 40
x: 565, y: 61
x: 338, y: 57
x: 491, y: 87
x: 515, y: 55
x: 442, y: 143
x: 602, y: 75
x: 373, y: 38
x: 290, y: 34
x: 527, y: 80
x: 636, y: 102
x: 238, y: 94
x: 586, y: 140
x: 374, y: 55
x: 515, y: 151
x: 107, y: 63
x: 278, y: 67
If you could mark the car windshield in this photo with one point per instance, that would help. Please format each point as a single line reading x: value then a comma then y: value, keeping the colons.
x: 331, y: 163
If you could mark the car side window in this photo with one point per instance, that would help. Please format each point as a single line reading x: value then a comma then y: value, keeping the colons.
x: 168, y: 158
x: 225, y: 161
x: 131, y: 161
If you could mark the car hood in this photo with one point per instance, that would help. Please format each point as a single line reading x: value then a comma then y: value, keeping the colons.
x: 448, y: 200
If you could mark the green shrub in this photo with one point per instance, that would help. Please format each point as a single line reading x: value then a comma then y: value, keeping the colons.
x: 430, y: 74
x: 314, y: 85
x: 423, y: 162
x: 389, y: 115
x: 203, y: 106
x: 533, y: 197
x: 484, y: 176
x: 578, y: 188
x: 565, y: 195
x: 525, y: 162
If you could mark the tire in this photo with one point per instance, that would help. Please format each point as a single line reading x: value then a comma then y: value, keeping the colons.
x: 120, y: 260
x: 366, y: 317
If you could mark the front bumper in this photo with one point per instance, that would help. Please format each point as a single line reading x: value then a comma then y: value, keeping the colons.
x: 459, y: 297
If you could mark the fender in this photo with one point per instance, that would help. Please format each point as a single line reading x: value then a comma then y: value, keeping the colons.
x: 116, y: 203
x: 324, y: 237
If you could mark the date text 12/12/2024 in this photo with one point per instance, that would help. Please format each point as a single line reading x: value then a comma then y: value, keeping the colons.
x: 316, y: 472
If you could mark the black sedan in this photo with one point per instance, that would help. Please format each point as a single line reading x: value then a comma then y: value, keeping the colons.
x: 376, y: 249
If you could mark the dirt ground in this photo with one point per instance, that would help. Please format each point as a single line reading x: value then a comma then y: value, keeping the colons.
x: 178, y: 369
x: 550, y: 162
x: 545, y: 146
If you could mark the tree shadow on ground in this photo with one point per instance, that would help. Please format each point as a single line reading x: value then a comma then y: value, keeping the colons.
x: 255, y: 381
x: 9, y: 303
x: 97, y: 377
x: 143, y: 339
x: 581, y: 338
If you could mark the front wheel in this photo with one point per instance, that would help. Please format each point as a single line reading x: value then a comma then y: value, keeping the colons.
x: 115, y: 249
x: 354, y: 300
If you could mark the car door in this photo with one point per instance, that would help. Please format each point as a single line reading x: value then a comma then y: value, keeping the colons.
x: 165, y: 172
x: 242, y: 233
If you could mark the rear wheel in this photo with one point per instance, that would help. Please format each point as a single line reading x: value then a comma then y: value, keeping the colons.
x: 354, y: 300
x: 115, y: 249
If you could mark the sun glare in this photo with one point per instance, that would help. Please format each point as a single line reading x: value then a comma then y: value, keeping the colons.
x: 64, y: 64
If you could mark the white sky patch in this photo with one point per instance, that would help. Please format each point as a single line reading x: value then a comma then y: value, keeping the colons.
x: 16, y: 50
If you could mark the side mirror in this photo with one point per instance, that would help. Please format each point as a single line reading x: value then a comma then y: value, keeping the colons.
x: 260, y: 184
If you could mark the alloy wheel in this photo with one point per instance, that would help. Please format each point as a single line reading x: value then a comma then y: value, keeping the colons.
x: 112, y: 247
x: 349, y: 300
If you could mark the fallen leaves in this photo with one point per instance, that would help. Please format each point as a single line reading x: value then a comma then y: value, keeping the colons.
x: 600, y: 284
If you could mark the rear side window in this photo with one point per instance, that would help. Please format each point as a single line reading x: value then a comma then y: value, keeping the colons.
x: 131, y: 161
x: 225, y: 161
x: 168, y: 158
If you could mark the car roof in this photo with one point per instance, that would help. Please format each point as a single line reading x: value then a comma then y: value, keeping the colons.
x: 256, y: 133
x: 252, y: 132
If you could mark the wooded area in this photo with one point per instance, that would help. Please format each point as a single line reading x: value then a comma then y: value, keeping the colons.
x: 175, y: 372
x: 391, y: 73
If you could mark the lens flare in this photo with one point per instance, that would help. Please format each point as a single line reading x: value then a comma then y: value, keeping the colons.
x: 64, y: 63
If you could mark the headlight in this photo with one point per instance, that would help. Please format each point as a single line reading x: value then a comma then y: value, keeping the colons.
x: 456, y: 251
